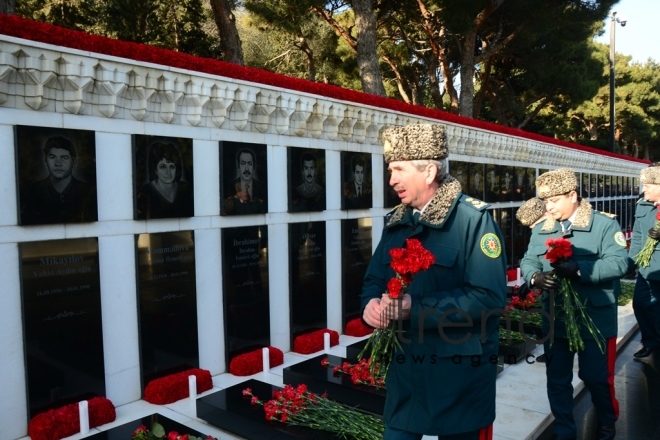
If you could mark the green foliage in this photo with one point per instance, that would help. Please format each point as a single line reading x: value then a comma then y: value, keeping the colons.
x: 626, y: 295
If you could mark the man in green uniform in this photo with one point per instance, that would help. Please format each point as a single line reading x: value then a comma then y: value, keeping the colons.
x: 599, y: 260
x: 646, y: 299
x: 442, y: 382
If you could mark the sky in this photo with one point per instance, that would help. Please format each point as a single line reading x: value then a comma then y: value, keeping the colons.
x: 636, y: 38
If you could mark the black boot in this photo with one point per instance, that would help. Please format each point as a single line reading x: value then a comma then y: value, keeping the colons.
x: 606, y: 431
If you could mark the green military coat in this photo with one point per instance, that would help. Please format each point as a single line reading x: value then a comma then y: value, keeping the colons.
x: 443, y: 380
x: 599, y: 248
x: 645, y: 220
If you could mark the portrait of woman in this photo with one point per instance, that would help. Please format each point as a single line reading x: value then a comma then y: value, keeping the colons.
x: 166, y: 194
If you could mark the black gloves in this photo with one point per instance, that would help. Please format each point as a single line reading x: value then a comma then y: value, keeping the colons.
x: 654, y: 233
x: 566, y: 269
x: 545, y: 280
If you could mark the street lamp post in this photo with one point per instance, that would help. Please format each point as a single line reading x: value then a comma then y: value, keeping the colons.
x: 622, y: 22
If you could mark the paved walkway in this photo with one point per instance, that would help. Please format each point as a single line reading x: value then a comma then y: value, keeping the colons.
x: 523, y: 412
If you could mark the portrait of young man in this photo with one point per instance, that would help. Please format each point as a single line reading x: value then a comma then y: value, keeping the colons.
x: 306, y: 179
x: 243, y: 189
x: 356, y: 178
x: 56, y: 175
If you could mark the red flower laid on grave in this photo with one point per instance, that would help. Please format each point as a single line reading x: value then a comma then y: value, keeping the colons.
x: 297, y: 406
x: 313, y: 341
x: 360, y: 372
x: 355, y: 327
x: 65, y: 421
x: 158, y: 432
x: 175, y: 387
x: 252, y: 362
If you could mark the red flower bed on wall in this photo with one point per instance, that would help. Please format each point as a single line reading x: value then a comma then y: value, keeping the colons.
x: 356, y: 327
x: 175, y: 387
x: 15, y: 26
x: 65, y: 421
x: 252, y: 362
x: 313, y: 341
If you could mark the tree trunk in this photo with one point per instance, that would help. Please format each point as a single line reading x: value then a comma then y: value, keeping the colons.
x: 7, y: 7
x: 230, y: 42
x: 367, y: 57
x: 466, y: 104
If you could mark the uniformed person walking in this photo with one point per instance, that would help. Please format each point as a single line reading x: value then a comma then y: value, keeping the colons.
x: 646, y: 299
x: 442, y: 383
x: 599, y: 260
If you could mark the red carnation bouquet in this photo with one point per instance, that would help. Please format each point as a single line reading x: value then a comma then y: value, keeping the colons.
x: 644, y: 257
x: 298, y: 407
x: 383, y: 342
x: 567, y: 301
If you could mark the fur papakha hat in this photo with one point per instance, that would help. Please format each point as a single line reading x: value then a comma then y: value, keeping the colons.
x: 650, y: 175
x: 555, y: 183
x: 415, y: 142
x: 531, y: 211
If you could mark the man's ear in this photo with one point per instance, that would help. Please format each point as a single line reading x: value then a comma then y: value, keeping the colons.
x: 431, y: 172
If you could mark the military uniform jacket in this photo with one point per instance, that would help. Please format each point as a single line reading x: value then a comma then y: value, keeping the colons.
x: 599, y: 248
x: 442, y: 382
x: 645, y: 220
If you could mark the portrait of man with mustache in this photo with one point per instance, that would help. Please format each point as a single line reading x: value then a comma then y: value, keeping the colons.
x: 247, y: 193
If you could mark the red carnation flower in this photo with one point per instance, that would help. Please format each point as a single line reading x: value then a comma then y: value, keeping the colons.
x: 394, y: 288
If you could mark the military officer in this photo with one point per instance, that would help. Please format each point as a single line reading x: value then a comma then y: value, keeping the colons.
x: 442, y: 382
x: 646, y: 299
x: 599, y: 260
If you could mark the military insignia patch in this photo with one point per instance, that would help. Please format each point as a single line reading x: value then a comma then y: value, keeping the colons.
x: 620, y: 239
x: 478, y: 204
x: 491, y: 246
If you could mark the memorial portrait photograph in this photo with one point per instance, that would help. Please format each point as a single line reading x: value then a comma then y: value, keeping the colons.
x: 163, y: 170
x: 476, y: 184
x: 306, y: 179
x: 243, y: 179
x: 492, y: 185
x: 56, y: 173
x: 356, y: 180
x: 460, y: 171
x: 391, y: 198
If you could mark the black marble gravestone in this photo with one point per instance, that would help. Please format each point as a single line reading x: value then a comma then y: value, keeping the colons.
x: 245, y: 289
x: 356, y: 180
x: 56, y: 171
x: 168, y: 304
x: 62, y: 316
x: 163, y: 177
x: 321, y: 379
x: 125, y: 431
x: 306, y: 179
x: 244, y: 182
x: 230, y: 410
x: 477, y: 181
x: 307, y: 281
x: 355, y: 257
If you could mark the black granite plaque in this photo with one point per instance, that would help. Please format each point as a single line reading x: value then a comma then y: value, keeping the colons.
x: 593, y: 186
x: 460, y: 171
x: 167, y: 301
x: 353, y: 350
x: 492, y: 185
x: 62, y: 317
x: 125, y: 431
x: 355, y: 257
x: 231, y: 411
x: 306, y: 179
x: 476, y: 187
x: 356, y: 180
x: 505, y: 191
x: 243, y: 182
x: 56, y: 171
x: 601, y: 186
x: 307, y: 281
x: 163, y: 184
x: 530, y: 183
x: 391, y: 197
x: 636, y: 185
x: 340, y: 387
x: 585, y: 185
x: 608, y: 186
x: 519, y: 190
x: 245, y: 289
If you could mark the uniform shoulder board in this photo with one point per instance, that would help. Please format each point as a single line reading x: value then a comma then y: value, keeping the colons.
x: 607, y: 214
x: 477, y: 204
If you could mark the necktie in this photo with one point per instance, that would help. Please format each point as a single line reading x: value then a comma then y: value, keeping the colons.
x: 247, y: 192
x: 359, y: 191
x: 416, y: 215
x: 566, y: 225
